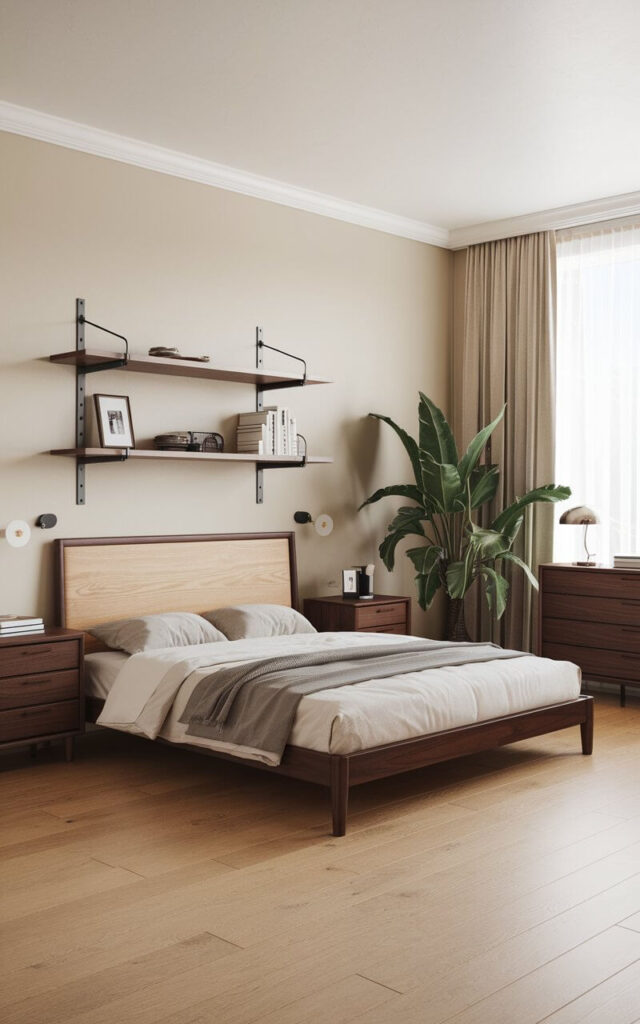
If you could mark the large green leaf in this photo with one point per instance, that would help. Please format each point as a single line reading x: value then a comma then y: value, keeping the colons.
x: 427, y: 561
x: 459, y: 575
x: 407, y: 521
x: 397, y: 490
x: 510, y: 557
x: 441, y: 484
x: 509, y: 515
x: 496, y: 589
x: 470, y: 458
x: 484, y: 484
x: 487, y: 543
x: 409, y: 443
x: 436, y: 438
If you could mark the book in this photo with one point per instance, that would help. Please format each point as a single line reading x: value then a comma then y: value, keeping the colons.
x: 24, y: 632
x: 626, y: 561
x: 17, y: 621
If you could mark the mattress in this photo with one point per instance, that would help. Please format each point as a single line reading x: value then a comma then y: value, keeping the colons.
x: 338, y: 721
x: 101, y: 670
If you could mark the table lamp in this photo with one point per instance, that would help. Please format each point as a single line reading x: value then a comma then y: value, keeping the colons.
x: 580, y: 516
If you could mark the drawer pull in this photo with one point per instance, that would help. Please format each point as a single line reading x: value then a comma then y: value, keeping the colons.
x: 630, y: 629
x: 35, y: 711
x: 39, y: 650
x: 35, y: 682
x: 628, y: 600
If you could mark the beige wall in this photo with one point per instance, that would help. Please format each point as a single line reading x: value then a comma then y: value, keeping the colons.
x: 166, y: 261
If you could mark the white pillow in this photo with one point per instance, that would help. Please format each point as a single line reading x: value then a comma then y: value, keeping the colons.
x: 245, y: 621
x: 150, y: 632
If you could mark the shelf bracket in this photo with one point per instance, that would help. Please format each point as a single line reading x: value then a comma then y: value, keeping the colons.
x: 81, y: 396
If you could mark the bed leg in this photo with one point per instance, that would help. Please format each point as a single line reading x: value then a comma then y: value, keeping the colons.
x: 586, y: 728
x: 339, y: 793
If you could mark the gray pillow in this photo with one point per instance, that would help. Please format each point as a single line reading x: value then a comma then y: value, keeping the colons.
x: 150, y: 632
x: 244, y: 621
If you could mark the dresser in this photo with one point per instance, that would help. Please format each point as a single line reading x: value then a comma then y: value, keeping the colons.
x: 379, y: 614
x: 41, y: 691
x: 591, y: 616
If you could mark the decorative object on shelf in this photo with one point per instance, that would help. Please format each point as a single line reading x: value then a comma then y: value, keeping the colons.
x: 447, y: 491
x: 349, y: 582
x: 581, y: 516
x: 17, y: 533
x: 46, y: 521
x: 115, y: 427
x: 364, y: 575
x: 626, y: 562
x: 323, y: 522
x: 189, y: 441
x: 20, y: 625
x: 160, y: 352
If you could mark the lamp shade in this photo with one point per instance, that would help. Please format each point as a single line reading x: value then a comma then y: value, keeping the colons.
x: 579, y: 516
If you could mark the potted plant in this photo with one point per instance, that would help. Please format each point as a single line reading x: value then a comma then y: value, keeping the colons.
x: 448, y: 492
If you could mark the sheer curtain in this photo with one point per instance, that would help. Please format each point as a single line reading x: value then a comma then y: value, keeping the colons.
x: 598, y: 388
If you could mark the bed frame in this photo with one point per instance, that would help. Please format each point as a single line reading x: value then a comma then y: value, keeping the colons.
x: 101, y: 579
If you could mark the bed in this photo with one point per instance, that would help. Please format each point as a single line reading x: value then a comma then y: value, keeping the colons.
x: 401, y: 723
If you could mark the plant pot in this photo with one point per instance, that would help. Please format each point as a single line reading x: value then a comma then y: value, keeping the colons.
x: 456, y: 627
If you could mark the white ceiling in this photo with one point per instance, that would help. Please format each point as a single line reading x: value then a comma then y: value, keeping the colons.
x: 449, y: 112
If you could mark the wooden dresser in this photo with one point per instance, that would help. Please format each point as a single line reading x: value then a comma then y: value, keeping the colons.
x: 41, y: 691
x: 379, y: 614
x: 591, y: 616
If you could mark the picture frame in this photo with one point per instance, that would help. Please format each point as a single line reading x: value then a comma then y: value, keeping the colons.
x: 349, y: 582
x: 115, y: 426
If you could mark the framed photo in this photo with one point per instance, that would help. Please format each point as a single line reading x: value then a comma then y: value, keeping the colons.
x: 114, y: 421
x: 349, y: 582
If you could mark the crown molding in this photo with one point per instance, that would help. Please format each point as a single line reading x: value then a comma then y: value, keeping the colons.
x: 591, y: 212
x: 62, y: 132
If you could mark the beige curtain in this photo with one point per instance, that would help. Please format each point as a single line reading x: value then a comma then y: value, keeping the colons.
x: 509, y: 356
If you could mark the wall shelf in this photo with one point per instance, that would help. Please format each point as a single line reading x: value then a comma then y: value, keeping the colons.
x: 120, y: 454
x: 87, y: 361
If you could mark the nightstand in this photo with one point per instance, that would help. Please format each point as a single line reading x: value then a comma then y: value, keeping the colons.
x: 379, y: 614
x: 591, y: 615
x: 41, y: 691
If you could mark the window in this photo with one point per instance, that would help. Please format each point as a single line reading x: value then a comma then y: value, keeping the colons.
x: 598, y: 388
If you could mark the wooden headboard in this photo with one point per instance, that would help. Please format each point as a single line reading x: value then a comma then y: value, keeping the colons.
x: 102, y: 579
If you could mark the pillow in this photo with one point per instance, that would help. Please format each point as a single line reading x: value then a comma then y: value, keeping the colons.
x: 150, y: 632
x: 244, y: 621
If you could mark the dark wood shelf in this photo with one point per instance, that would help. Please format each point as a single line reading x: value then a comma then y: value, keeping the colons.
x: 183, y: 368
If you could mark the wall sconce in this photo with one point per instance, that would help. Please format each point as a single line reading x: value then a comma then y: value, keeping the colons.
x: 323, y: 523
x: 17, y: 533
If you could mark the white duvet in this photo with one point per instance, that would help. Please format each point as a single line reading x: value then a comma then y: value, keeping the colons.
x: 151, y: 691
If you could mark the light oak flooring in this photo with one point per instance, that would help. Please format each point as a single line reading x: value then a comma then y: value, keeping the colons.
x: 142, y: 884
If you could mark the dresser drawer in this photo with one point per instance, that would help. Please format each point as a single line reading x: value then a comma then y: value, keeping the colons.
x: 398, y: 627
x: 41, y: 657
x: 380, y: 615
x: 607, y: 664
x: 40, y: 720
x: 624, y: 612
x: 593, y: 583
x: 591, y: 634
x: 43, y: 688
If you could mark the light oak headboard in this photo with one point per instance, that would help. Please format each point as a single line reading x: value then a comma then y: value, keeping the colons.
x: 102, y: 579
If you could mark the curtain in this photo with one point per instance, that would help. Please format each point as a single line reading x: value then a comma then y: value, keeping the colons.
x: 598, y: 392
x: 509, y: 356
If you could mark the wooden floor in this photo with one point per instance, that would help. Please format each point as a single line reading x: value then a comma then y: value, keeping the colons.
x: 143, y: 884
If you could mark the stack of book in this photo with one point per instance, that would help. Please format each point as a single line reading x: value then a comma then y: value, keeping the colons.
x: 19, y: 625
x: 626, y: 561
x: 270, y: 432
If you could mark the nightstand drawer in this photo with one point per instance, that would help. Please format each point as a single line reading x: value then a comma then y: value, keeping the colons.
x: 608, y: 664
x: 380, y: 615
x: 592, y: 634
x: 594, y: 583
x: 623, y: 611
x: 41, y: 720
x: 398, y: 627
x: 43, y: 688
x: 41, y: 657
